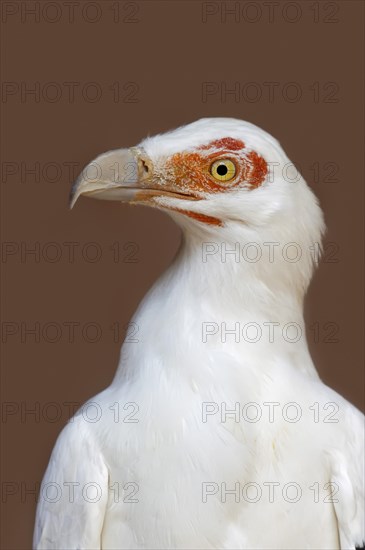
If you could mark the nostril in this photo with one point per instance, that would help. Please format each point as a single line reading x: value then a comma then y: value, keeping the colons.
x: 145, y: 167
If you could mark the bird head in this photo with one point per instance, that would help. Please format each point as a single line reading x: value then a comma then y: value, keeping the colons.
x: 216, y: 175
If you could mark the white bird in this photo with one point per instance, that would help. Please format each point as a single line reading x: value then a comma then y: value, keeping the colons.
x: 216, y: 431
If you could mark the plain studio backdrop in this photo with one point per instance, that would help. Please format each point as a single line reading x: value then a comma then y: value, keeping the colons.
x: 80, y: 80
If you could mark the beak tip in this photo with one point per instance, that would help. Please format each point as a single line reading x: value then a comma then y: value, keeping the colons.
x: 112, y: 174
x: 71, y: 201
x: 74, y: 195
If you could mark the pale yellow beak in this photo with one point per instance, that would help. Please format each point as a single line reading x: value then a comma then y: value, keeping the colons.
x: 115, y: 175
x: 125, y: 175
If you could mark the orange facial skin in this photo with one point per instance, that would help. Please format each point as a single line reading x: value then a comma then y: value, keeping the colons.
x: 224, y: 143
x: 190, y: 171
x: 188, y: 174
x: 210, y: 220
x: 256, y: 169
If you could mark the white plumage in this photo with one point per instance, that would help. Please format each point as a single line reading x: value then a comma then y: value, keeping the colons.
x: 162, y: 465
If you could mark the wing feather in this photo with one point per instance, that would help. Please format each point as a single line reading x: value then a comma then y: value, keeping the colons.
x: 74, y: 492
x: 347, y: 468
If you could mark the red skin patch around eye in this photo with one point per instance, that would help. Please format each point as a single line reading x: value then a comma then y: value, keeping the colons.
x: 189, y: 172
x: 257, y: 168
x: 225, y: 143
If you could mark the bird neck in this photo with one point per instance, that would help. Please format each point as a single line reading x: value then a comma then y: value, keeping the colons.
x: 218, y: 297
x: 253, y: 271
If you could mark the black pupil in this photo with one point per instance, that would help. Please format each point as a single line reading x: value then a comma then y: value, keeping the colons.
x: 222, y: 170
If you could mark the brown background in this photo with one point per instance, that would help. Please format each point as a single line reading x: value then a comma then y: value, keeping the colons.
x: 167, y: 52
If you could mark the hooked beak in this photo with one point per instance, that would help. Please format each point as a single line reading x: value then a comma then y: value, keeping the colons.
x: 125, y: 175
x: 111, y: 176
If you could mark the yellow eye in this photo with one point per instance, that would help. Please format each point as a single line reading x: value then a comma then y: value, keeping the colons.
x: 223, y: 170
